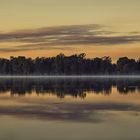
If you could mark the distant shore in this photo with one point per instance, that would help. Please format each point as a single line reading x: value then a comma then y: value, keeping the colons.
x: 76, y: 65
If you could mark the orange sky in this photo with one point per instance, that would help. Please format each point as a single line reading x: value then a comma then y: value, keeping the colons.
x: 100, y: 28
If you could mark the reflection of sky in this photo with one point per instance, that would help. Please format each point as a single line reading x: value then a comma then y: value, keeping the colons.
x: 45, y: 116
x: 126, y: 128
x: 50, y: 107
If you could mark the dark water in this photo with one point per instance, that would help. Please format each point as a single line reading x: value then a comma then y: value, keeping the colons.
x: 69, y: 109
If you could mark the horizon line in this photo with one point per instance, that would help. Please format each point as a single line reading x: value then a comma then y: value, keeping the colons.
x: 69, y: 76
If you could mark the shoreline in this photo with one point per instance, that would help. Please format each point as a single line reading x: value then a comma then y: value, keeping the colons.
x: 69, y: 76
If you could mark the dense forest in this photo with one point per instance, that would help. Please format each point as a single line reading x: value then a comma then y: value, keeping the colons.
x: 68, y: 65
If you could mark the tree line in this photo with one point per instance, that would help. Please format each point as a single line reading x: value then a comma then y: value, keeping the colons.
x: 76, y: 64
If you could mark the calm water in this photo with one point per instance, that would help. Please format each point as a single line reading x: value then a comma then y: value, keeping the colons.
x: 70, y: 109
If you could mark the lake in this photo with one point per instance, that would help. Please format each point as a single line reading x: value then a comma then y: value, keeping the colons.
x: 70, y: 108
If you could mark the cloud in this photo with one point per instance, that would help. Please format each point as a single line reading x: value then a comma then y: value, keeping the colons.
x: 61, y: 37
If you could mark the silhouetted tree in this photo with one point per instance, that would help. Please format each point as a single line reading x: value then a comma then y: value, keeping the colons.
x: 68, y: 65
x: 126, y: 65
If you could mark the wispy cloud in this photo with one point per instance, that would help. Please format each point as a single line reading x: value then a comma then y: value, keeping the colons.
x: 61, y: 37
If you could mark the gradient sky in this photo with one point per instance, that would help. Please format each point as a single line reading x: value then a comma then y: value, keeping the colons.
x: 44, y: 27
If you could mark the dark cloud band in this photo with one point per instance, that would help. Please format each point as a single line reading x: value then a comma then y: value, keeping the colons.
x: 49, y: 38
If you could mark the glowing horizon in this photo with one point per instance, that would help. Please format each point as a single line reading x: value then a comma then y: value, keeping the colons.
x: 48, y: 27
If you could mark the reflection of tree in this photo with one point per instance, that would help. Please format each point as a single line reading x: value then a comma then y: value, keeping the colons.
x: 72, y: 87
x: 127, y: 86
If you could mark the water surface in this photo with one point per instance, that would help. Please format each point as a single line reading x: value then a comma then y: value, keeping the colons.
x: 69, y: 108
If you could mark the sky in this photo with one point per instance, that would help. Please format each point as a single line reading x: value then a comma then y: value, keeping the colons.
x: 48, y: 27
